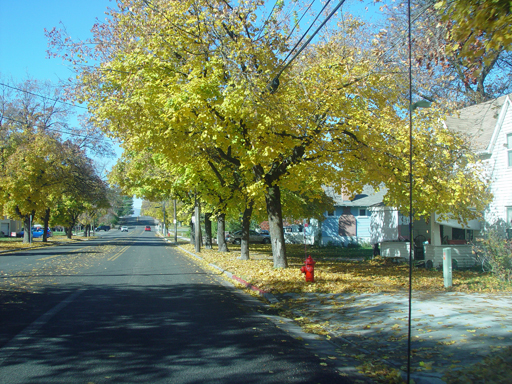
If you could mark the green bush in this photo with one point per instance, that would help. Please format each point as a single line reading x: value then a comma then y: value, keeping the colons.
x: 494, y: 254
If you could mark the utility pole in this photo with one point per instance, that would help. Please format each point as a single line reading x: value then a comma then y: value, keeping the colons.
x: 164, y: 218
x: 197, y: 226
x: 175, y: 224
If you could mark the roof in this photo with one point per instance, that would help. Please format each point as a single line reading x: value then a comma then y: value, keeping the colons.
x: 478, y: 122
x: 369, y: 197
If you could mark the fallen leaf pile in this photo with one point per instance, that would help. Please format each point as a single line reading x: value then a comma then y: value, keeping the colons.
x: 342, y: 275
x: 341, y: 304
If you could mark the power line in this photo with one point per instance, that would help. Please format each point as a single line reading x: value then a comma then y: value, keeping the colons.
x: 268, y: 18
x: 41, y: 96
x: 305, y: 33
x: 298, y: 22
x: 274, y: 84
x: 47, y: 128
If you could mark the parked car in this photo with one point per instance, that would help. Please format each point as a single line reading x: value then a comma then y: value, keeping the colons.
x: 103, y: 228
x: 124, y: 228
x: 254, y: 237
x: 36, y: 232
x: 148, y: 228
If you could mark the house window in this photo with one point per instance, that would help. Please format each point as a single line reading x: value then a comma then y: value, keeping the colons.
x: 362, y: 212
x: 509, y: 217
x: 509, y: 149
x: 330, y: 213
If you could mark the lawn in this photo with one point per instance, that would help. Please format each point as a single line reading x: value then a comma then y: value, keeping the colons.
x: 13, y: 243
x: 347, y: 270
x: 341, y: 270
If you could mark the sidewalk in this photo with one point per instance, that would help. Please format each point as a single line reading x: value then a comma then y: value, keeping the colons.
x: 450, y: 331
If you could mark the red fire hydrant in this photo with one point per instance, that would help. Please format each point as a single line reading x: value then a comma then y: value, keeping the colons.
x: 309, y: 269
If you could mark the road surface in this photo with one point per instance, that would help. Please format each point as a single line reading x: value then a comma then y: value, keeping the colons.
x: 129, y: 308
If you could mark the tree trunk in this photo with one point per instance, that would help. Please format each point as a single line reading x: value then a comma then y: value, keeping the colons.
x: 221, y: 230
x: 246, y: 222
x: 175, y: 223
x: 197, y: 215
x: 26, y: 229
x: 207, y: 231
x: 69, y: 232
x: 275, y: 221
x: 46, y: 219
x: 192, y: 233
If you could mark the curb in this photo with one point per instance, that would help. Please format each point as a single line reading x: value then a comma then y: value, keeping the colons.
x: 333, y: 340
x: 267, y: 295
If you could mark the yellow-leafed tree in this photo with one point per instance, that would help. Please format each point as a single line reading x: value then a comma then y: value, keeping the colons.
x: 209, y: 81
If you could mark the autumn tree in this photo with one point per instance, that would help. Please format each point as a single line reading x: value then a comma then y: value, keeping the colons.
x: 83, y: 191
x: 202, y: 82
x: 461, y: 49
x: 37, y: 164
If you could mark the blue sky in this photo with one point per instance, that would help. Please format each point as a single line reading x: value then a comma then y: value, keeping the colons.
x: 23, y: 44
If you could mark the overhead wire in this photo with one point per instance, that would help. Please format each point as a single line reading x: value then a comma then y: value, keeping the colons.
x: 41, y: 96
x: 298, y: 21
x: 305, y: 33
x: 64, y: 131
x: 274, y: 84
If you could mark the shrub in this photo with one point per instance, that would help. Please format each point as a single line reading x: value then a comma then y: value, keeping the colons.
x: 494, y: 254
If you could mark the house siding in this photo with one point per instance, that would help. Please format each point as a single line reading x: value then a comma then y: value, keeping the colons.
x: 363, y: 227
x: 499, y: 170
x: 369, y: 229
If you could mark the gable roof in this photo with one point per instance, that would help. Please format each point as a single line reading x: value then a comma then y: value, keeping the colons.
x: 369, y: 197
x: 478, y: 122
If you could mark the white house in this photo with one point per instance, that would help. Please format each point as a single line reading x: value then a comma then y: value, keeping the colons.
x: 488, y: 127
x: 362, y: 219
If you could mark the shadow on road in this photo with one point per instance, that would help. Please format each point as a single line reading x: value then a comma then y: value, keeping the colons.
x: 183, y: 333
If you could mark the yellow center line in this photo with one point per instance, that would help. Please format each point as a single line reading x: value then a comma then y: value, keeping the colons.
x: 115, y: 256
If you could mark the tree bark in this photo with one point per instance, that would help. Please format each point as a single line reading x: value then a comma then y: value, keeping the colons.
x: 221, y: 230
x: 197, y: 215
x: 26, y: 229
x: 207, y: 231
x: 69, y: 232
x: 46, y: 220
x: 192, y: 233
x: 275, y: 221
x: 246, y: 222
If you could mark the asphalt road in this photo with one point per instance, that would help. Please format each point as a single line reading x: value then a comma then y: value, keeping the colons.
x: 128, y: 308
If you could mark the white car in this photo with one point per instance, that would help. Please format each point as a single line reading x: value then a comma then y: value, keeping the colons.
x: 124, y: 229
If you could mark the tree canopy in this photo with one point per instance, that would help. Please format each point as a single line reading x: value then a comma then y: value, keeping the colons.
x: 39, y: 168
x: 461, y: 50
x: 207, y: 86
